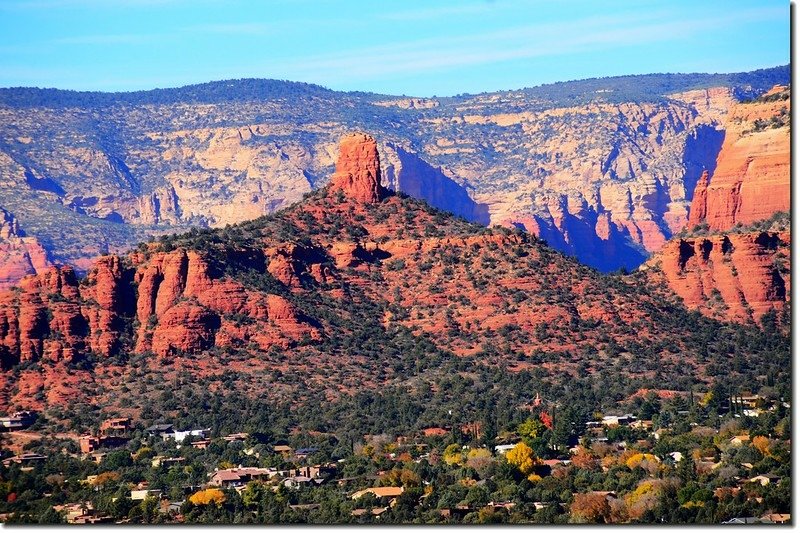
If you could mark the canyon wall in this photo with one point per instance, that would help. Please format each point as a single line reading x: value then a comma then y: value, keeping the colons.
x: 608, y: 180
x: 752, y: 176
x: 727, y: 266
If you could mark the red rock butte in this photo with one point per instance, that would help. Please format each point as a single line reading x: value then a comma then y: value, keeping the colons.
x: 752, y: 179
x: 358, y: 169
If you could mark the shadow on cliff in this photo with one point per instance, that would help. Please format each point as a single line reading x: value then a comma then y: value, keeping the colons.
x: 408, y: 173
x: 577, y: 238
x: 702, y: 148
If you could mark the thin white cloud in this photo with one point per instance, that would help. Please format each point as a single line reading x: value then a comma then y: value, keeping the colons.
x: 111, y: 38
x: 530, y: 41
x: 93, y: 4
x: 235, y: 28
x: 437, y: 12
x: 246, y: 28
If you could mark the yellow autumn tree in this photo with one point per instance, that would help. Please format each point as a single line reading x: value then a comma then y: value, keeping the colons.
x: 452, y: 454
x: 522, y: 457
x: 646, y: 496
x: 637, y: 459
x: 761, y: 443
x: 105, y: 478
x: 401, y: 476
x: 207, y: 496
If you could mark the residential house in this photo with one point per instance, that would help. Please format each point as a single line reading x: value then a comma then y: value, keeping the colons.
x: 459, y: 511
x: 296, y: 482
x: 744, y: 520
x: 303, y: 453
x: 305, y: 506
x: 237, y: 477
x: 501, y: 505
x: 180, y: 436
x: 201, y: 444
x: 25, y: 459
x: 777, y: 518
x: 142, y: 494
x: 115, y: 427
x: 89, y: 443
x: 609, y: 494
x: 157, y: 430
x: 378, y: 511
x: 435, y: 432
x: 316, y: 471
x: 379, y: 492
x: 660, y: 432
x: 764, y: 479
x: 82, y: 513
x: 18, y: 420
x: 169, y: 507
x: 160, y: 460
x: 739, y: 440
x: 236, y: 437
x: 752, y: 401
x: 676, y: 456
x: 643, y: 424
x: 721, y: 493
x: 97, y: 457
x: 503, y: 449
x: 614, y: 420
x: 283, y: 449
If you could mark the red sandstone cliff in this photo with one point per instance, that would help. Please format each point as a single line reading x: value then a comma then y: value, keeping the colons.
x: 20, y: 255
x: 173, y: 302
x: 730, y: 276
x: 752, y: 177
x: 738, y: 276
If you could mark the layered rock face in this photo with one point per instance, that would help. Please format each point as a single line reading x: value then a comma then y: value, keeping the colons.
x: 752, y: 176
x: 175, y: 302
x: 603, y: 178
x: 730, y: 276
x: 300, y: 296
x: 738, y: 275
x: 19, y: 255
x: 167, y: 303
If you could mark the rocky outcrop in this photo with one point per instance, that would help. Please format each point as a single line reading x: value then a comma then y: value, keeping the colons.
x: 730, y: 276
x: 752, y: 176
x: 697, y: 213
x: 358, y: 170
x: 178, y: 304
x: 19, y: 255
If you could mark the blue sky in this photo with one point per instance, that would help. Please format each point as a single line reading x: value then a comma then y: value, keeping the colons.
x: 416, y: 48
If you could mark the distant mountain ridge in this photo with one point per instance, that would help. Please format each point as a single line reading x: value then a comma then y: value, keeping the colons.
x: 746, y: 84
x: 604, y: 169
